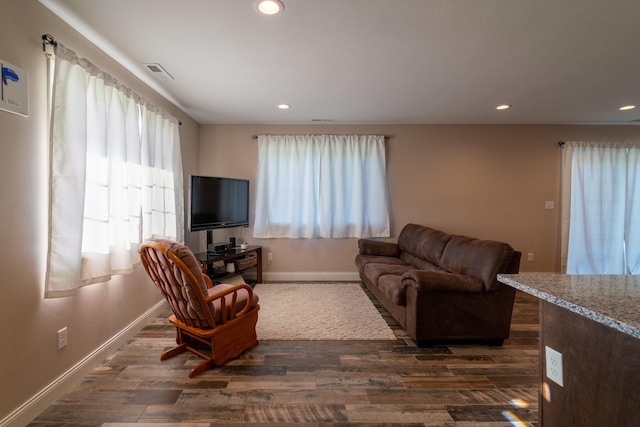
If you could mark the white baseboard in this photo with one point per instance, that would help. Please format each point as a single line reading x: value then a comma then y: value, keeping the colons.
x: 29, y: 410
x: 336, y: 276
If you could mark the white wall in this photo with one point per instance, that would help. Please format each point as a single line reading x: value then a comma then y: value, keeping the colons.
x: 29, y: 359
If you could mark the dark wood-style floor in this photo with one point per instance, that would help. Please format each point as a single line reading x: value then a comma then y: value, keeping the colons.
x: 314, y: 384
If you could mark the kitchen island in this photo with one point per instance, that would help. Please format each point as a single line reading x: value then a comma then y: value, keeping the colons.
x: 593, y: 323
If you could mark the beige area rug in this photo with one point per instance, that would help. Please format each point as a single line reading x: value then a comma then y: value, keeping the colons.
x: 318, y: 311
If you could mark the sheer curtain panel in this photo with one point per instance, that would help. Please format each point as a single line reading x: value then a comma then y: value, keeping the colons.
x: 331, y: 186
x: 600, y: 223
x: 632, y: 214
x: 115, y: 176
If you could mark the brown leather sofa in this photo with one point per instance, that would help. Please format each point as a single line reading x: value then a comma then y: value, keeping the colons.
x: 440, y: 286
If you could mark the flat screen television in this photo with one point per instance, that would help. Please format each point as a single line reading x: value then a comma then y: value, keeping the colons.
x: 217, y: 202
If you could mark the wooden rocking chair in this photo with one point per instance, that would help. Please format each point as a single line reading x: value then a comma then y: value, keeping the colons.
x: 223, y: 317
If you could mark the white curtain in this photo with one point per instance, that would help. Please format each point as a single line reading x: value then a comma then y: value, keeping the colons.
x: 600, y: 224
x: 115, y: 176
x: 632, y: 217
x: 331, y: 186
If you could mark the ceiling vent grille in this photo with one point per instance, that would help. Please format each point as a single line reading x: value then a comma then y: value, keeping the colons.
x: 159, y: 72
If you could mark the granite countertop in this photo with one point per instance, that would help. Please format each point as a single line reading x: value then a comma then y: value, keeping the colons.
x: 613, y: 300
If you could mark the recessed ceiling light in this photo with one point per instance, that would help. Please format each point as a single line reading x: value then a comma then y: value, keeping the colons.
x: 627, y: 107
x: 503, y: 107
x: 284, y: 106
x: 269, y: 7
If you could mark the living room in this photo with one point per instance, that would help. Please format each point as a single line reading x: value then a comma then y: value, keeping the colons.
x: 485, y: 180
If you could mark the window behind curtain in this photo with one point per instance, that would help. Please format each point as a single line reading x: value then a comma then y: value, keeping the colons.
x: 331, y: 186
x: 601, y: 208
x: 115, y: 176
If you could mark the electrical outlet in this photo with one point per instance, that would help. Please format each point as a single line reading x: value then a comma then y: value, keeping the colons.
x: 553, y: 364
x: 62, y: 338
x: 269, y: 257
x: 530, y: 256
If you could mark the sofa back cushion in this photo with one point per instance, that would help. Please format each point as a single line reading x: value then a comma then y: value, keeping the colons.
x: 423, y: 242
x: 483, y: 259
x: 417, y: 262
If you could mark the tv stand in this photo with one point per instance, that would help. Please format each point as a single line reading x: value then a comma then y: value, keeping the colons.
x: 217, y: 275
x: 222, y: 253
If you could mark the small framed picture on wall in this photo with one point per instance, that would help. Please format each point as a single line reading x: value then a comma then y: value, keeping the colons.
x: 14, y: 89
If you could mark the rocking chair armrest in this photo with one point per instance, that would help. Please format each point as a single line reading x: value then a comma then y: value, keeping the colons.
x: 207, y: 281
x: 233, y: 291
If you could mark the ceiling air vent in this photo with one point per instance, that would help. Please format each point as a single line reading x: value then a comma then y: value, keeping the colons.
x: 159, y: 72
x: 323, y: 120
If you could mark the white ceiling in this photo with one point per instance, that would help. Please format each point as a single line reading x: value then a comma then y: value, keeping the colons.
x: 378, y: 61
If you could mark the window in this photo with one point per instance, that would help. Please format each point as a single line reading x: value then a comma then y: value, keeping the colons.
x: 601, y: 208
x: 331, y: 186
x: 115, y: 176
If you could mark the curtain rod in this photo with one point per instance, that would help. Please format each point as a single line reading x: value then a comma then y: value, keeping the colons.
x: 48, y: 39
x: 561, y: 144
x: 48, y: 47
x: 386, y: 137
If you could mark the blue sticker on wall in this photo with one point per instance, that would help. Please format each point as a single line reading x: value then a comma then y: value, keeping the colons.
x: 8, y: 73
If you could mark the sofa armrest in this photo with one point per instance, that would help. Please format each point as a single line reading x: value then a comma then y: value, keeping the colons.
x: 375, y: 247
x: 434, y: 281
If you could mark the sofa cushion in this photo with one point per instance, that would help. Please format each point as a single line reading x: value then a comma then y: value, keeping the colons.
x: 185, y: 299
x: 423, y: 242
x: 417, y: 262
x: 361, y: 260
x: 483, y: 259
x: 375, y: 270
x: 376, y: 247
